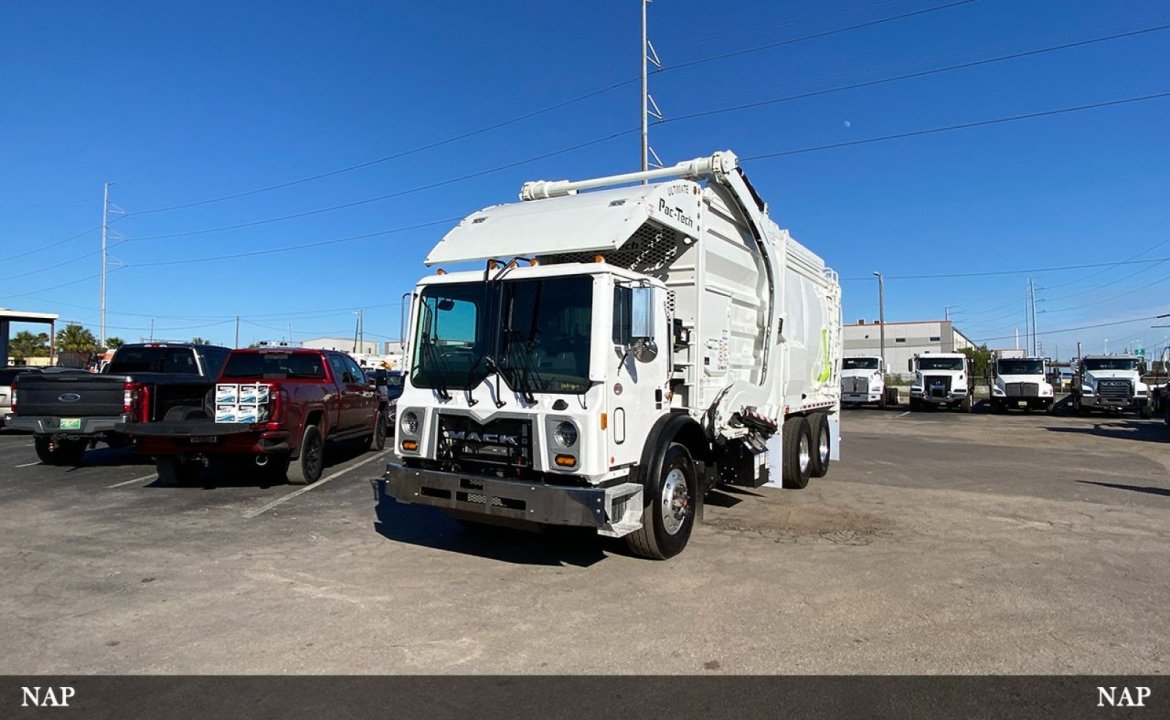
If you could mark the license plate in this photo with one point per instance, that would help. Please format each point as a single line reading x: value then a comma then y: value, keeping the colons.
x: 70, y: 423
x: 204, y: 439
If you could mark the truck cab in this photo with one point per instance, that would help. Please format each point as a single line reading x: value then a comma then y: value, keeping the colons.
x: 1110, y: 383
x: 941, y: 380
x: 863, y: 380
x: 1021, y: 381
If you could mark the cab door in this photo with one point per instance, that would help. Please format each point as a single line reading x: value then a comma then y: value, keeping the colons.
x: 349, y: 391
x: 366, y: 402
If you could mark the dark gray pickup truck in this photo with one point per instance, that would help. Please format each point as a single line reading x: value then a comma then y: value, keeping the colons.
x: 69, y: 412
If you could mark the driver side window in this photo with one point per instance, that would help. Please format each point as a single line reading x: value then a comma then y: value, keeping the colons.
x: 340, y: 371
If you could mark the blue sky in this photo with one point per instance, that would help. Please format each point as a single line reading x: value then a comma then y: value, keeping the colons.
x: 183, y: 102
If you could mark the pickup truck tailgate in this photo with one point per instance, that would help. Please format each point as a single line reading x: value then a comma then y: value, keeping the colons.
x: 70, y: 394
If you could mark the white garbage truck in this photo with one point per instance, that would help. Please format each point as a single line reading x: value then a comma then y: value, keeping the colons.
x: 618, y: 350
x: 1020, y: 381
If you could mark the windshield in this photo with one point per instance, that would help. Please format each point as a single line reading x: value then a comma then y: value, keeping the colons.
x: 153, y: 359
x: 276, y: 366
x: 1110, y: 364
x: 536, y: 332
x: 940, y: 363
x: 1020, y: 367
x: 859, y: 364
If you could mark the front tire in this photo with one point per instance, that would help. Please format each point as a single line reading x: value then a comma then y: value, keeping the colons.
x: 668, y: 515
x: 62, y: 452
x: 307, y: 468
x: 376, y: 441
x: 1144, y: 413
x: 965, y: 404
x: 822, y: 439
x: 797, y: 441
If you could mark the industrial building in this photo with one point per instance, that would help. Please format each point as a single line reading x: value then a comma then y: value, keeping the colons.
x: 903, y: 340
x: 349, y: 345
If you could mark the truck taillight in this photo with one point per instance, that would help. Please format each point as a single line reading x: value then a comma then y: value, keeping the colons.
x: 275, y: 408
x: 12, y: 396
x: 136, y: 401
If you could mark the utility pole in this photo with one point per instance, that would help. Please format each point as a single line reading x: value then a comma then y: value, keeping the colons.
x: 882, y: 330
x: 649, y: 107
x: 1032, y: 299
x: 152, y: 329
x: 237, y: 331
x: 105, y: 236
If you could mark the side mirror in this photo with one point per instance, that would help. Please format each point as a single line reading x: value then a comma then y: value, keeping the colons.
x: 910, y: 365
x: 642, y: 313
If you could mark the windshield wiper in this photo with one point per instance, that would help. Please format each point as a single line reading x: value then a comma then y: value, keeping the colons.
x: 521, y: 377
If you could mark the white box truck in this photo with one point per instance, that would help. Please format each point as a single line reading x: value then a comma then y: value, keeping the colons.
x: 1110, y: 383
x: 1020, y: 381
x: 615, y: 355
x: 941, y: 380
x: 863, y: 382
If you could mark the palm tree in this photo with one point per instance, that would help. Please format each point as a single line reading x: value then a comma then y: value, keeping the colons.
x: 199, y: 341
x: 25, y: 345
x: 75, y: 338
x: 113, y: 343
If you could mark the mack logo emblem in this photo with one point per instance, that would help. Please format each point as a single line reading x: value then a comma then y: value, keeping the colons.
x: 68, y: 397
x: 489, y: 438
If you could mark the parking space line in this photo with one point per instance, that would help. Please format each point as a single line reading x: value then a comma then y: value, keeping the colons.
x: 285, y: 498
x: 904, y: 414
x: 38, y: 462
x: 135, y: 480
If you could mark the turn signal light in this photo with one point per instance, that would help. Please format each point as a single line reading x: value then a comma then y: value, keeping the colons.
x: 604, y: 420
x: 566, y: 460
x: 411, y: 445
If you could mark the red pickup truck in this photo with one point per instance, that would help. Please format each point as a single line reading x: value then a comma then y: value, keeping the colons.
x: 278, y: 406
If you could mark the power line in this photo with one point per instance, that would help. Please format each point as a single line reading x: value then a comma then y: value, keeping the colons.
x: 822, y: 34
x: 42, y: 248
x: 1077, y: 329
x: 963, y: 126
x: 919, y: 74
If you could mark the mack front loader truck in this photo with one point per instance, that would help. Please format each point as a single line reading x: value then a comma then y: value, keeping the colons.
x: 621, y: 346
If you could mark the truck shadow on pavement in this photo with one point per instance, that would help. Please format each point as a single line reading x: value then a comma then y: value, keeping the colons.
x: 111, y: 457
x: 1164, y: 492
x: 244, y: 473
x: 1140, y: 430
x: 429, y: 527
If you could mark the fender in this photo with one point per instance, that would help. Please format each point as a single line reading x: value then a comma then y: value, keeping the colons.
x: 666, y: 429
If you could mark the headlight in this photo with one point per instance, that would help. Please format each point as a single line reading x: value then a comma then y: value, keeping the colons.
x: 566, y: 434
x: 410, y: 423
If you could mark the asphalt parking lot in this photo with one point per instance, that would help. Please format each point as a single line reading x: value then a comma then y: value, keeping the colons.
x: 941, y: 543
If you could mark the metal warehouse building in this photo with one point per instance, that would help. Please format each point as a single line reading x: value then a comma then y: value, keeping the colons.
x: 904, y: 340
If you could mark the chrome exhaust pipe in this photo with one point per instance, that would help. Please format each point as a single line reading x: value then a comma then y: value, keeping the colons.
x: 261, y: 460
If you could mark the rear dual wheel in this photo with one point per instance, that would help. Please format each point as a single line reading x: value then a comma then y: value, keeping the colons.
x: 797, y: 440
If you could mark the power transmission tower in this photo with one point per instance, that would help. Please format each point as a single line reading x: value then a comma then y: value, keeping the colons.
x: 649, y: 107
x: 1032, y: 297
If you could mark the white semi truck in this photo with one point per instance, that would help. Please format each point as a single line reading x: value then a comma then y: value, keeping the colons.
x: 863, y: 381
x: 1020, y: 381
x: 1111, y: 383
x: 941, y: 379
x: 615, y: 355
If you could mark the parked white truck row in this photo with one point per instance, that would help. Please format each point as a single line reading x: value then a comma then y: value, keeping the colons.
x: 618, y: 353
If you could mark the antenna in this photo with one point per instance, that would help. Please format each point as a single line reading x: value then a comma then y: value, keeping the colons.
x: 649, y: 107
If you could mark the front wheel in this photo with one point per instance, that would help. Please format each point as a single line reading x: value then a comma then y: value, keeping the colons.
x: 376, y: 441
x: 307, y: 468
x: 1145, y: 412
x: 668, y: 515
x: 965, y: 404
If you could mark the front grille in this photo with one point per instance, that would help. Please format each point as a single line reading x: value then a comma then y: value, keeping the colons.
x: 506, y: 442
x: 855, y: 385
x: 1115, y: 388
x: 937, y: 385
x: 1021, y: 389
